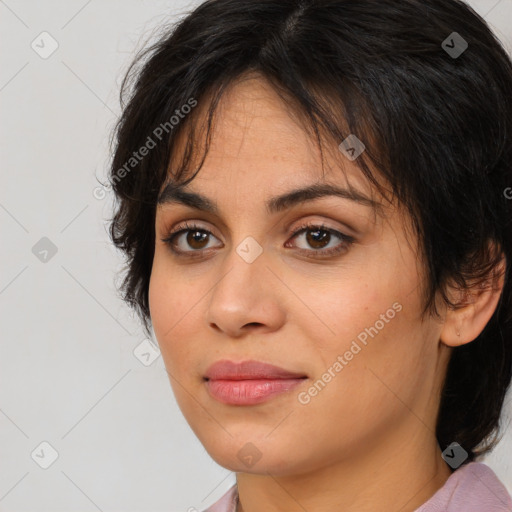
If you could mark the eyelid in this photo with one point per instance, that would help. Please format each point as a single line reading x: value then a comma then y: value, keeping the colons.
x: 183, y: 227
x: 325, y: 223
x: 292, y: 230
x: 291, y: 227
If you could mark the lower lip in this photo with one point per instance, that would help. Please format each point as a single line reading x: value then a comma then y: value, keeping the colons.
x: 249, y: 392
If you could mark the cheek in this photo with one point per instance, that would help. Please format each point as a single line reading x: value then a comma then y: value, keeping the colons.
x: 173, y: 322
x: 170, y: 302
x: 159, y: 299
x: 334, y: 310
x: 366, y: 332
x: 360, y: 388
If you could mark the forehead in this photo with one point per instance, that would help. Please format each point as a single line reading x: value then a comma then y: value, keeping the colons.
x: 259, y: 141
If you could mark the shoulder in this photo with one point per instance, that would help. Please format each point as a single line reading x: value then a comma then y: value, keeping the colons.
x: 471, y: 488
x: 227, y: 503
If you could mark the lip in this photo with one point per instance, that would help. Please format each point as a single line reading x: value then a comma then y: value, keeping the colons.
x: 249, y: 382
x: 246, y: 370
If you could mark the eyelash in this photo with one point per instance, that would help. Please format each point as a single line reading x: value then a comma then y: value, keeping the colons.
x: 346, y: 242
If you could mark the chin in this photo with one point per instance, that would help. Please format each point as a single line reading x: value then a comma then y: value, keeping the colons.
x: 260, y: 456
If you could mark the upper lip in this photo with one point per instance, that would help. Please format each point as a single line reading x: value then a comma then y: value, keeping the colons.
x: 247, y: 370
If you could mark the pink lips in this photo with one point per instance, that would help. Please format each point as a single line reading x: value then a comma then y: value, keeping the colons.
x: 248, y: 382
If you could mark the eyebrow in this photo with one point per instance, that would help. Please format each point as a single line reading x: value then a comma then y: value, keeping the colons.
x: 173, y: 193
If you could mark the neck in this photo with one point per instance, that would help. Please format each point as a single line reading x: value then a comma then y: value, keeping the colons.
x: 401, y: 473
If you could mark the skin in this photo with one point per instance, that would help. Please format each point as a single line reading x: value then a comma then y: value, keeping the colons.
x: 372, y: 427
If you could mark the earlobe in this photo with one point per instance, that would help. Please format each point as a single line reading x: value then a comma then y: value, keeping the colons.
x: 475, y: 307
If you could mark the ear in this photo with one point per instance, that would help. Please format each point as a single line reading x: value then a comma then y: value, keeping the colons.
x: 474, y: 308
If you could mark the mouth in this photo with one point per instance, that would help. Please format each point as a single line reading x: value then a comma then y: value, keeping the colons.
x: 249, y: 382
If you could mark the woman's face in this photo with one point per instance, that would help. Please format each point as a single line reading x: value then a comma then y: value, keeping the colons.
x: 338, y: 306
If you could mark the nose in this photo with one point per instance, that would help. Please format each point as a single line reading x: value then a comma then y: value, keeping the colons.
x: 247, y: 297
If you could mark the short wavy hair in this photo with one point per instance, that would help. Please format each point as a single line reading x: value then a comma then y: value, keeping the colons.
x: 425, y: 85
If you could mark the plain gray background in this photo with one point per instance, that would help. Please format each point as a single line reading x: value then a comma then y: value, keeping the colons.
x: 69, y: 371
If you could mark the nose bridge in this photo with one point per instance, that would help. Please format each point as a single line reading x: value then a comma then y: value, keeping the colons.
x: 243, y: 268
x: 244, y: 292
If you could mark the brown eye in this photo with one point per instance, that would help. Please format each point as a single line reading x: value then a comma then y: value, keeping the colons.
x: 318, y: 238
x: 196, y: 239
x: 192, y: 240
x: 189, y: 239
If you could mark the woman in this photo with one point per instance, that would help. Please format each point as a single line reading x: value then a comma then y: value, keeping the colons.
x: 312, y: 199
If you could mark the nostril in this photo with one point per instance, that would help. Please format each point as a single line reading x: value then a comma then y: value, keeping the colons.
x: 251, y: 324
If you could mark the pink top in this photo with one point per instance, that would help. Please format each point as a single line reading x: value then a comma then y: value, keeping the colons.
x: 472, y: 488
